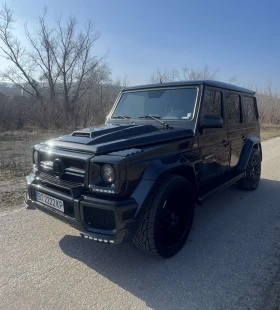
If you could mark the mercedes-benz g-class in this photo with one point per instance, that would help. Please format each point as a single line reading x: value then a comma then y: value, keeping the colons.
x: 163, y: 149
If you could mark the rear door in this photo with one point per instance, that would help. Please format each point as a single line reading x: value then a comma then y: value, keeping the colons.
x: 250, y: 112
x: 235, y: 125
x: 213, y: 142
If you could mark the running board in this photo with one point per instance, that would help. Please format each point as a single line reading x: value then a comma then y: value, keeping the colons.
x: 222, y: 186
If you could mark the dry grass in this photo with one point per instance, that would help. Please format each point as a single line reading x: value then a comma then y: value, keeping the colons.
x: 270, y: 131
x: 16, y: 162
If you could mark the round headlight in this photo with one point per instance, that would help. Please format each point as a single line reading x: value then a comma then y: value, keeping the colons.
x: 108, y: 173
x: 35, y: 158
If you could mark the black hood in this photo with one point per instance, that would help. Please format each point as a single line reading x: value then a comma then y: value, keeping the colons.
x: 109, y: 138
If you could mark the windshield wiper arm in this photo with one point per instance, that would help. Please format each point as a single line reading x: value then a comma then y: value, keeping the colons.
x: 124, y: 117
x: 156, y: 118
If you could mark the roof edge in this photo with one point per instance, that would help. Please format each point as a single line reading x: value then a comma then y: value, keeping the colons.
x: 194, y: 83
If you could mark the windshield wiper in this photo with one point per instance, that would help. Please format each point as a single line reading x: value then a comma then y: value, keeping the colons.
x: 156, y: 118
x: 124, y: 117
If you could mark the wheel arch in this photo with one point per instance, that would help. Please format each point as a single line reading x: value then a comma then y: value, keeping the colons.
x: 146, y: 187
x: 258, y: 146
x: 250, y: 144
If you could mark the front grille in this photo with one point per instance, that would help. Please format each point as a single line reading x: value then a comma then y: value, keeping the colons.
x: 67, y: 177
x: 66, y: 191
x: 71, y: 178
x: 99, y: 218
x: 74, y: 168
x: 74, y: 163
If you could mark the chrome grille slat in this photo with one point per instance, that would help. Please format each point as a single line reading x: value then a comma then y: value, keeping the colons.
x: 52, y: 178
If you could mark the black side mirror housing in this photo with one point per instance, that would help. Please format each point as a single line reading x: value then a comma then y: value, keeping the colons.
x: 212, y: 121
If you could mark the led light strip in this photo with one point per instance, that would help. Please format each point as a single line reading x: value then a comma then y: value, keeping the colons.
x: 97, y: 239
x: 100, y: 190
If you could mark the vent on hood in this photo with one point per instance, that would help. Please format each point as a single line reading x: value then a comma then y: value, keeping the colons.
x: 81, y: 134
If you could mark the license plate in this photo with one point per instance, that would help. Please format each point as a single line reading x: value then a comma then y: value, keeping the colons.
x: 50, y: 201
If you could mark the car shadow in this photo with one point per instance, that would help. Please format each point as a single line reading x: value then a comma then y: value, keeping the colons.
x: 222, y: 259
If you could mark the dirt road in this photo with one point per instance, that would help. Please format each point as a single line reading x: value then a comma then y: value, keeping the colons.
x: 231, y: 260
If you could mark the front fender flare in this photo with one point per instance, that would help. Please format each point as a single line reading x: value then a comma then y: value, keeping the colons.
x: 154, y: 172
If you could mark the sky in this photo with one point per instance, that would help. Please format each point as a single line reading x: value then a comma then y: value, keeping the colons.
x: 240, y: 38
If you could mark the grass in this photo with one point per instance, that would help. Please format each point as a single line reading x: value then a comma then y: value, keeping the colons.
x: 270, y: 131
x: 16, y: 162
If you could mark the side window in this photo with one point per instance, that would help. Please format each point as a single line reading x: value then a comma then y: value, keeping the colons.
x: 212, y: 103
x: 249, y: 109
x: 233, y: 108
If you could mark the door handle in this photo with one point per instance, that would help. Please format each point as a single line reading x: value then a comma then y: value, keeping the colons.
x: 225, y: 143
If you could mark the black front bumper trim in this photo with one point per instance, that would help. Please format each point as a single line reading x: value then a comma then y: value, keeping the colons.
x: 121, y: 235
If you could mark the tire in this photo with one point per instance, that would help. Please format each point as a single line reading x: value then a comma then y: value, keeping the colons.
x: 253, y: 172
x: 167, y: 218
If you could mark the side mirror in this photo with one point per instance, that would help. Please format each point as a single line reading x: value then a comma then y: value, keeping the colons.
x: 212, y: 121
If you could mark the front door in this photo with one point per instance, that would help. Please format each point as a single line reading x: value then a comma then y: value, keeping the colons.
x: 213, y: 143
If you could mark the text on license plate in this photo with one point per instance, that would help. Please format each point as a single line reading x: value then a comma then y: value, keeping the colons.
x: 50, y: 201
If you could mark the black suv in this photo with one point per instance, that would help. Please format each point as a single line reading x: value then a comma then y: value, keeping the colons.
x: 163, y: 148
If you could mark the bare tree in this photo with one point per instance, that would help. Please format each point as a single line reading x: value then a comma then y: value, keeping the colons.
x: 186, y: 73
x: 59, y: 67
x: 203, y: 74
x: 164, y: 76
x: 22, y: 69
x: 269, y: 105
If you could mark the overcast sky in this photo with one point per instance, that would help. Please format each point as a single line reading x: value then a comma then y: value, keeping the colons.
x: 240, y: 38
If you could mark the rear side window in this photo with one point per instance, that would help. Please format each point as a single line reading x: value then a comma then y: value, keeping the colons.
x: 212, y: 103
x: 234, y: 108
x: 249, y: 109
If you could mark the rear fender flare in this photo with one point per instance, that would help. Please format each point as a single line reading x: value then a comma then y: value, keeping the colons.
x: 252, y: 142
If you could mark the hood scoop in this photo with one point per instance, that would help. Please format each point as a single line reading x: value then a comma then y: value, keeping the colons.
x: 93, y: 132
x: 106, y: 134
x: 81, y: 134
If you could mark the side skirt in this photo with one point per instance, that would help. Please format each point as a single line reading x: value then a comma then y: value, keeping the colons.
x: 222, y: 185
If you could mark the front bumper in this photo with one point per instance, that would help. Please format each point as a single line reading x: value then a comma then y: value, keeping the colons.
x: 108, y: 221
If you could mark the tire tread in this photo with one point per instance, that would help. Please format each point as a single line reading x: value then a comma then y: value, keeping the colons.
x: 144, y: 236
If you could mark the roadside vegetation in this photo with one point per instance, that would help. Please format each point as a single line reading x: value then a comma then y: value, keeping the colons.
x: 269, y: 131
x: 16, y: 162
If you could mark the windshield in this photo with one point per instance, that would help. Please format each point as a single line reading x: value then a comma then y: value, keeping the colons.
x: 169, y: 104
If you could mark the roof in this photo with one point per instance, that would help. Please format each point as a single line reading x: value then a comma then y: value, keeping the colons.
x: 193, y: 83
